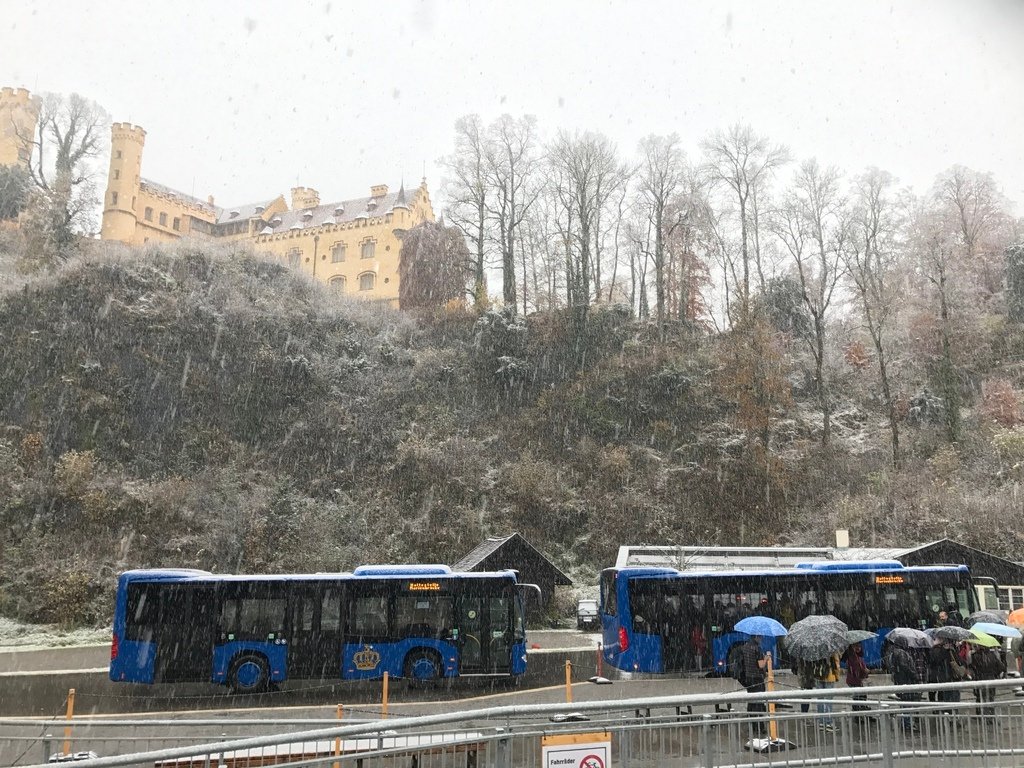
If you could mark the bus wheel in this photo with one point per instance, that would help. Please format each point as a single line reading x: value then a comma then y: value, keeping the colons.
x: 422, y: 666
x: 249, y: 674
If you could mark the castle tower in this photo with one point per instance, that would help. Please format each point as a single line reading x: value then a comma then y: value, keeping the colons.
x: 120, y: 214
x: 18, y: 116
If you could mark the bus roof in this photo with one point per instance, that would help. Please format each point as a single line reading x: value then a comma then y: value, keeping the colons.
x: 394, y: 572
x: 800, y: 569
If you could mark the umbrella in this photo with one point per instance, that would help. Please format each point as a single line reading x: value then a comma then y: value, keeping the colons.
x: 990, y: 617
x: 760, y: 625
x: 996, y: 630
x: 985, y: 641
x: 855, y: 636
x: 1016, y: 618
x: 952, y: 632
x: 905, y: 637
x: 816, y: 637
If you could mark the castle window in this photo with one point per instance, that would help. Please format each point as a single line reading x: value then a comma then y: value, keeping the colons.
x: 294, y: 257
x: 117, y: 174
x: 149, y: 213
x: 176, y: 224
x: 367, y: 250
x: 367, y: 280
x: 163, y: 219
x: 338, y: 283
x: 113, y: 198
x: 337, y: 253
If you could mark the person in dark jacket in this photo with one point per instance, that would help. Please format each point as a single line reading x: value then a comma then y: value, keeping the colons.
x: 755, y: 662
x: 856, y: 671
x: 904, y: 670
x: 987, y: 664
x: 945, y: 661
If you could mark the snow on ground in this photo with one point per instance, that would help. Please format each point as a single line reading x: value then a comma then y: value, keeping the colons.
x: 14, y: 634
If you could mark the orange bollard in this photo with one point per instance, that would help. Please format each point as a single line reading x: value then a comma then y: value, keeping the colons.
x: 600, y: 659
x: 337, y: 740
x: 568, y: 681
x: 384, y: 699
x: 773, y: 727
x: 70, y: 714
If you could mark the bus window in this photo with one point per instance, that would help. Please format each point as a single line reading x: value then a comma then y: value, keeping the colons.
x: 423, y: 616
x: 330, y: 610
x: 143, y: 611
x: 846, y: 605
x: 608, y: 599
x: 895, y: 606
x: 369, y: 617
x: 261, y: 616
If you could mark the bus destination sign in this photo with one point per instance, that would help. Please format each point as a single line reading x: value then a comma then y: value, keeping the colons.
x: 424, y: 586
x: 889, y: 579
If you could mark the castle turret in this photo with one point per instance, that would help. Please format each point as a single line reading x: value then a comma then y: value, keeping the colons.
x: 304, y: 197
x: 120, y: 213
x: 18, y: 117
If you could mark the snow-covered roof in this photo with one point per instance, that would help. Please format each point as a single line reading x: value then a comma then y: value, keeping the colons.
x: 748, y: 558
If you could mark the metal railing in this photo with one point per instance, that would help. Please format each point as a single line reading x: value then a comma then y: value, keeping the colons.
x: 839, y: 728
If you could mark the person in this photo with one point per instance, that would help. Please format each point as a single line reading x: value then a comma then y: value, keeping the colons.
x: 948, y: 668
x: 802, y: 670
x: 900, y: 664
x: 787, y: 614
x: 826, y: 675
x: 986, y: 664
x: 856, y: 672
x: 953, y: 615
x: 942, y: 620
x: 699, y: 643
x: 755, y: 663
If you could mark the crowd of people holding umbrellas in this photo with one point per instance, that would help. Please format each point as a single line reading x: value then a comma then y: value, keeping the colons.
x: 822, y: 650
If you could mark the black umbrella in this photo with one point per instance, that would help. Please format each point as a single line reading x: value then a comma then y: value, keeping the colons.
x: 816, y: 637
x: 990, y: 617
x: 905, y: 637
x: 954, y: 633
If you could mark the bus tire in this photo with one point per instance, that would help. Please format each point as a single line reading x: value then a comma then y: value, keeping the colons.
x: 249, y: 674
x: 422, y: 666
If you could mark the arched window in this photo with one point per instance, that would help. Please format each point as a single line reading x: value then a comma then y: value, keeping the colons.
x: 337, y: 283
x: 294, y: 257
x: 367, y: 250
x: 367, y: 281
x: 337, y: 253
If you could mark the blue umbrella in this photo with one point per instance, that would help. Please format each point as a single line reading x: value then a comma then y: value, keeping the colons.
x: 996, y: 630
x: 760, y: 625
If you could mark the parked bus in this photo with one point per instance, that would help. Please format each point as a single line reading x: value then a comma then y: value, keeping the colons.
x: 664, y: 620
x: 250, y: 632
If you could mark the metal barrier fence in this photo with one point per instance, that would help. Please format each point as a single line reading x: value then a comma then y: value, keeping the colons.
x: 838, y: 728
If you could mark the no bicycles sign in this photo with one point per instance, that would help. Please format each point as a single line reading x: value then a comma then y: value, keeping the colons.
x: 577, y: 750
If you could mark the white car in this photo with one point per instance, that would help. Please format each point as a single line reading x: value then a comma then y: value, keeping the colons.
x: 586, y: 615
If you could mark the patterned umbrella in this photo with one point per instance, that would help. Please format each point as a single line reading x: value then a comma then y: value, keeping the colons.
x: 990, y: 617
x: 954, y: 633
x: 816, y: 637
x: 905, y: 637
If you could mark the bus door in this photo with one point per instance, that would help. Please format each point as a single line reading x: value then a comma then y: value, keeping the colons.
x: 185, y: 633
x: 313, y: 631
x: 484, y: 624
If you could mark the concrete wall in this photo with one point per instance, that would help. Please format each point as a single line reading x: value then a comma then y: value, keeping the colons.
x: 44, y: 692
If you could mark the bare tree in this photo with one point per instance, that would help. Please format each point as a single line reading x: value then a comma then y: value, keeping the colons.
x: 978, y: 210
x: 872, y: 262
x: 814, y: 225
x: 661, y: 173
x: 70, y: 134
x: 466, y: 190
x: 743, y: 162
x: 587, y: 172
x: 511, y: 171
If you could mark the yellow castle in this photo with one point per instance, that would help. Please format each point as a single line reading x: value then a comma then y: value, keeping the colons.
x: 18, y: 116
x: 352, y: 244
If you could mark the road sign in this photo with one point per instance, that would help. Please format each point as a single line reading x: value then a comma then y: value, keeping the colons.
x: 577, y: 750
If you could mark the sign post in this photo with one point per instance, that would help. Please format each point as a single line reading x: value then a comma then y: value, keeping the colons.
x: 577, y: 750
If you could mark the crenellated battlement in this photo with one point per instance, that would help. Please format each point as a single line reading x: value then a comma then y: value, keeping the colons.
x: 128, y: 131
x: 10, y: 95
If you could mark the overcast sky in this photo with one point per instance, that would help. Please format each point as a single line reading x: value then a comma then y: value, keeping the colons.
x: 244, y: 99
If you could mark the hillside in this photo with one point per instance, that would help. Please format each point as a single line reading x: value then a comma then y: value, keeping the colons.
x: 192, y: 407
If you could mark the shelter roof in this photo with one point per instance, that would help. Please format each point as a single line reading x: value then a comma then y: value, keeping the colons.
x: 493, y: 545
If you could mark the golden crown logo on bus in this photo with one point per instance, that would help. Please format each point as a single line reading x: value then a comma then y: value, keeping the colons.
x: 366, y: 659
x: 424, y: 586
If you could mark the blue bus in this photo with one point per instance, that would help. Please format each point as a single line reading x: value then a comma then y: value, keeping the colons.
x: 250, y: 632
x: 658, y: 620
